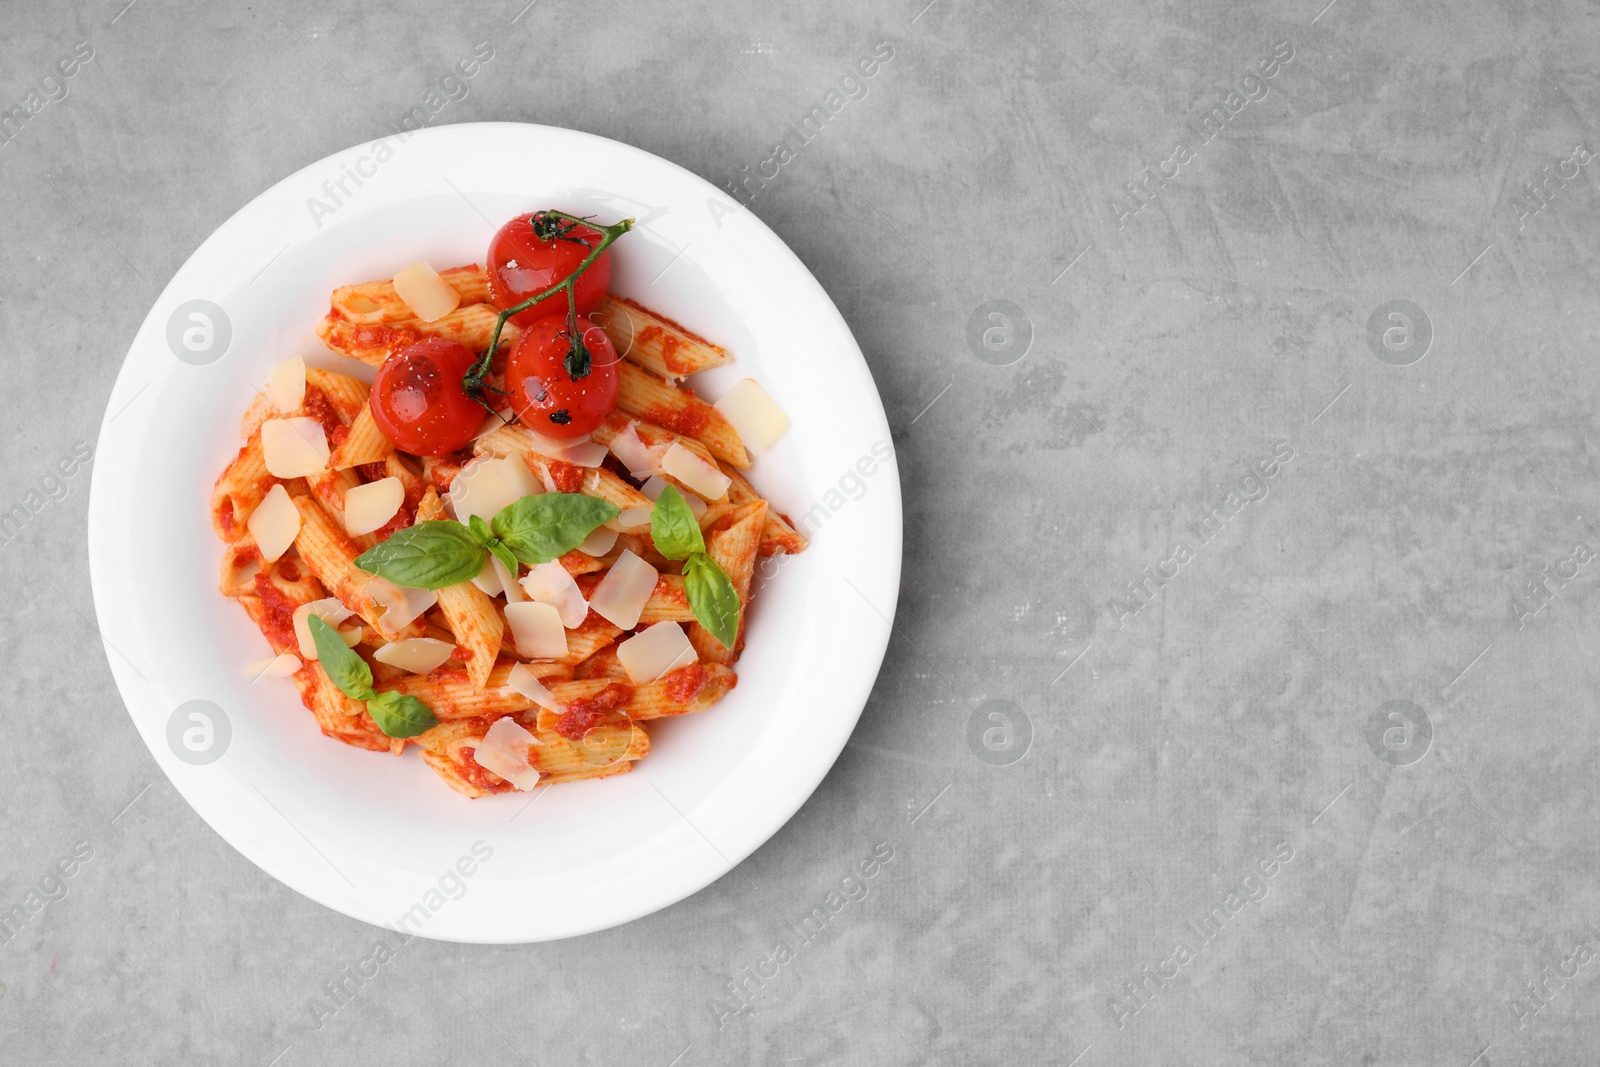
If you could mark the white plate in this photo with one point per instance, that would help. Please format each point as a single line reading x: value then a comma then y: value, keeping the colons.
x: 379, y: 837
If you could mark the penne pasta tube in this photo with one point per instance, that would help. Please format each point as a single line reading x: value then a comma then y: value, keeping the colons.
x: 654, y: 341
x: 329, y: 553
x: 346, y: 395
x: 449, y: 749
x: 364, y: 443
x: 680, y: 692
x: 473, y: 617
x: 646, y: 396
x: 734, y: 543
x: 239, y: 488
x: 452, y: 695
x: 371, y: 302
x: 471, y: 324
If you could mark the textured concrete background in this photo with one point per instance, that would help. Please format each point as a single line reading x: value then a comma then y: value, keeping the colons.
x: 1187, y: 695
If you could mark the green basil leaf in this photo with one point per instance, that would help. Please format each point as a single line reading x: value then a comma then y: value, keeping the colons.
x: 480, y: 529
x: 712, y: 597
x: 503, y: 554
x: 399, y: 715
x: 538, y: 529
x: 673, y: 526
x: 429, y: 555
x: 347, y: 670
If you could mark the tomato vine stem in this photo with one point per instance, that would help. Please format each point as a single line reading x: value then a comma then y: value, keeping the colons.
x: 475, y: 380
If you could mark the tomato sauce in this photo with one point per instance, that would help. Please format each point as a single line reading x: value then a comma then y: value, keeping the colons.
x: 585, y: 714
x: 319, y: 407
x: 471, y: 771
x: 402, y: 518
x: 225, y: 516
x: 568, y: 477
x: 380, y: 335
x: 690, y: 421
x: 685, y: 683
x: 278, y: 618
x: 288, y: 570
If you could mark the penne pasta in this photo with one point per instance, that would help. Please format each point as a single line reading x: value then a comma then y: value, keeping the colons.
x: 654, y: 341
x: 239, y: 488
x: 646, y: 396
x: 734, y: 543
x: 603, y: 664
x: 371, y: 302
x: 680, y: 692
x: 344, y: 394
x: 471, y: 324
x: 329, y: 553
x: 475, y: 621
x: 453, y: 695
x: 449, y: 749
x: 649, y: 433
x: 364, y: 443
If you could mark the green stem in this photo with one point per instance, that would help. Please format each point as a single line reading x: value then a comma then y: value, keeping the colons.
x: 473, y: 381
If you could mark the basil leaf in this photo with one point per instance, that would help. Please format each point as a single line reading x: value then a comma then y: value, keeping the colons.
x: 480, y: 529
x: 428, y: 555
x: 538, y: 529
x: 712, y: 597
x: 673, y: 526
x: 503, y: 554
x: 399, y: 715
x: 347, y: 670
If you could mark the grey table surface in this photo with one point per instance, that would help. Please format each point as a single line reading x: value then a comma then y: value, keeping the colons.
x: 1240, y: 707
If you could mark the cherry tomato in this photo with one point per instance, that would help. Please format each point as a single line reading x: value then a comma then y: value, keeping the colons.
x: 522, y: 264
x: 417, y: 399
x: 544, y: 396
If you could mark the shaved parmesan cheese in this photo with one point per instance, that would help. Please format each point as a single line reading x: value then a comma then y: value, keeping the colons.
x: 653, y: 652
x: 488, y: 579
x: 550, y: 583
x: 652, y: 489
x: 279, y: 666
x: 641, y: 459
x: 401, y: 605
x: 275, y: 523
x: 504, y: 751
x: 622, y: 593
x: 523, y: 682
x: 294, y: 448
x: 488, y: 484
x: 579, y: 451
x: 428, y: 296
x: 507, y: 580
x: 587, y: 454
x: 515, y: 473
x: 330, y: 611
x: 758, y: 421
x: 369, y: 507
x: 694, y: 472
x: 537, y: 631
x: 419, y: 655
x: 633, y: 518
x: 599, y: 542
x: 287, y: 385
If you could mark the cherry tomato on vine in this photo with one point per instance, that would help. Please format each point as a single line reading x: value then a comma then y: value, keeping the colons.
x: 418, y: 402
x: 523, y: 263
x: 545, y: 397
